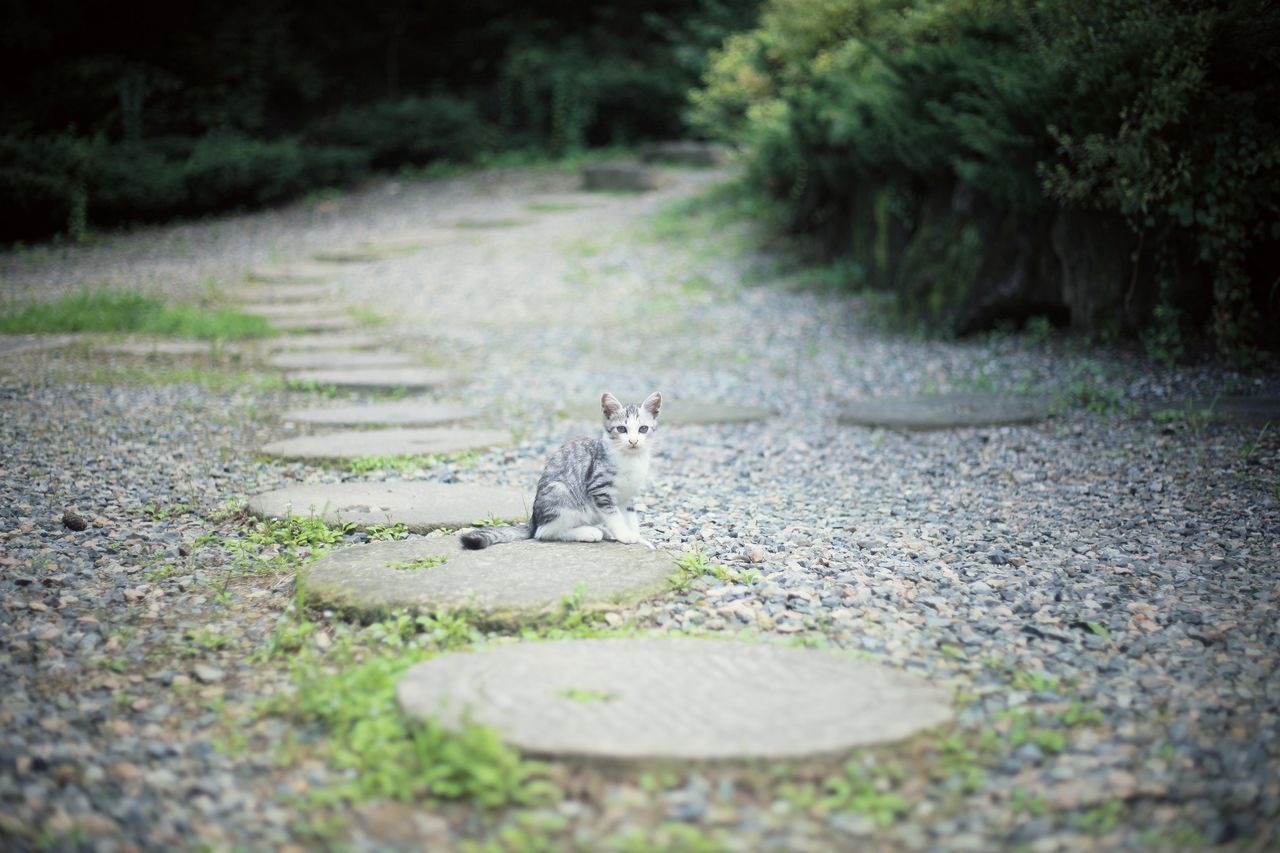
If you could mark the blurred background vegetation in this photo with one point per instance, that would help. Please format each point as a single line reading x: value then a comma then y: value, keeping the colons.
x: 1107, y: 164
x: 121, y: 112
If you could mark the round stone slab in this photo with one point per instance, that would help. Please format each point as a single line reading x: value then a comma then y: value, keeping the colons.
x: 318, y: 359
x: 291, y: 273
x: 353, y: 444
x: 384, y: 379
x: 330, y: 341
x: 1246, y: 410
x: 507, y: 583
x: 312, y: 323
x: 689, y: 413
x: 166, y: 348
x: 672, y: 698
x: 419, y: 506
x: 279, y: 293
x: 398, y: 413
x: 943, y: 411
x: 289, y: 310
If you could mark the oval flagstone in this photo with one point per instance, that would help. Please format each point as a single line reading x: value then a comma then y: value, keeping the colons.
x: 672, y: 698
x: 290, y: 310
x: 943, y: 411
x: 330, y: 341
x: 507, y: 583
x: 288, y: 273
x: 353, y: 444
x: 419, y: 506
x: 338, y: 358
x: 167, y: 348
x: 312, y: 323
x: 399, y: 413
x: 376, y: 379
x: 278, y: 293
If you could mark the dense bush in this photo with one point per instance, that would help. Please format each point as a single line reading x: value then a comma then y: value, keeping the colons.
x: 412, y: 131
x: 973, y: 153
x: 219, y: 104
x: 62, y: 183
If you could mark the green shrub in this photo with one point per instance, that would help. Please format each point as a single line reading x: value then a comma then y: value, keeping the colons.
x: 857, y: 112
x: 416, y: 130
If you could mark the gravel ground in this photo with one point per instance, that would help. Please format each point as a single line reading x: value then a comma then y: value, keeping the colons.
x: 1099, y: 589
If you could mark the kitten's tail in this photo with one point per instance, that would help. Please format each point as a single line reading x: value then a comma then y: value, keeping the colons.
x: 483, y: 537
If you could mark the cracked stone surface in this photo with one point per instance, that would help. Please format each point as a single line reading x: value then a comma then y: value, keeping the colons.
x: 420, y: 506
x: 507, y: 582
x: 673, y: 698
x: 353, y: 444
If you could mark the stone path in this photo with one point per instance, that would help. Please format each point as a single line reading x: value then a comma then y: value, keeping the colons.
x: 1093, y: 593
x: 397, y: 413
x: 673, y: 698
x: 353, y: 444
x: 510, y: 583
x: 421, y: 506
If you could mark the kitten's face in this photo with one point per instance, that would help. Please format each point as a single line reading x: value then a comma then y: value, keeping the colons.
x: 629, y: 428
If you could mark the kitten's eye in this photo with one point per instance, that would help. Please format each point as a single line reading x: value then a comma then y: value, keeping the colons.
x: 622, y: 429
x: 644, y: 429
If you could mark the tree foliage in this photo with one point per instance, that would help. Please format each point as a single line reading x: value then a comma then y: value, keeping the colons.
x: 1161, y: 114
x: 137, y: 110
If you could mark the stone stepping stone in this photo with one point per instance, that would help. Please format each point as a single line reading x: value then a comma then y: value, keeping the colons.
x: 506, y: 583
x: 482, y: 224
x: 701, y: 154
x: 167, y: 348
x: 288, y: 310
x: 419, y: 506
x: 354, y: 444
x: 337, y: 358
x: 291, y: 273
x: 943, y: 411
x: 329, y: 341
x: 313, y: 323
x: 397, y: 413
x: 291, y: 293
x: 14, y: 344
x: 364, y: 253
x: 624, y: 176
x: 670, y: 698
x: 375, y: 379
x: 688, y: 413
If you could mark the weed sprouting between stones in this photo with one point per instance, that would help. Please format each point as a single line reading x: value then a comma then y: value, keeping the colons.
x: 694, y: 564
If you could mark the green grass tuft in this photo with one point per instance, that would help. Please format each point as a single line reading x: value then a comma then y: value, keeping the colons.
x: 127, y: 312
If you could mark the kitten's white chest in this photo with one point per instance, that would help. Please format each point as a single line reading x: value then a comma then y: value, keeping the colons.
x: 633, y: 472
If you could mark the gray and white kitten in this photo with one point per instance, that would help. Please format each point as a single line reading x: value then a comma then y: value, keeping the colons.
x: 588, y: 489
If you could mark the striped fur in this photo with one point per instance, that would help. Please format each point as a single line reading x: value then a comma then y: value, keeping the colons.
x: 588, y: 488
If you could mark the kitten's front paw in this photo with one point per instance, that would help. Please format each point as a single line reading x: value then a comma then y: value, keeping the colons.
x: 629, y: 538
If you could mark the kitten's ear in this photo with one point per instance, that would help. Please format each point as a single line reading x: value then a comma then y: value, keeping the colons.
x: 609, y: 405
x: 652, y: 404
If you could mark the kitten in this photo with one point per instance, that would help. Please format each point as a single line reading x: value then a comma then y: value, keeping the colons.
x: 588, y: 489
